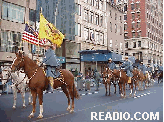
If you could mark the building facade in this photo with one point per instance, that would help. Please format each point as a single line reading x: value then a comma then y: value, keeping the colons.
x: 13, y: 16
x: 143, y: 26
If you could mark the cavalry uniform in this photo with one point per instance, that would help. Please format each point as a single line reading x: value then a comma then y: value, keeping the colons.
x: 160, y: 69
x: 111, y: 65
x: 143, y: 68
x: 127, y: 66
x: 52, y: 64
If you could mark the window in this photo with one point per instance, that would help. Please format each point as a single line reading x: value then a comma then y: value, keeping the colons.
x: 133, y: 25
x: 139, y: 43
x: 125, y: 8
x: 101, y: 5
x: 92, y: 38
x: 115, y: 16
x: 76, y: 29
x: 110, y: 44
x: 86, y: 33
x: 97, y: 37
x: 86, y: 15
x: 137, y: 5
x: 126, y: 45
x: 13, y: 12
x: 134, y: 44
x: 91, y: 14
x: 79, y: 30
x: 97, y: 4
x: 110, y: 13
x: 32, y: 16
x: 101, y: 21
x: 132, y: 6
x: 120, y: 45
x: 110, y: 26
x: 92, y: 2
x: 138, y: 24
x: 10, y: 41
x: 97, y: 19
x: 78, y: 9
x: 125, y: 26
x: 139, y: 34
x: 125, y: 17
x: 101, y: 38
x: 115, y: 28
x: 120, y: 18
x: 133, y: 34
x: 133, y: 16
x: 120, y: 30
x: 126, y: 36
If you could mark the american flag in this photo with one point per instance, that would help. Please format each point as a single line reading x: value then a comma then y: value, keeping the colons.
x: 31, y: 36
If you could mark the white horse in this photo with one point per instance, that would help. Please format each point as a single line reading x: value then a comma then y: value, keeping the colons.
x: 19, y: 82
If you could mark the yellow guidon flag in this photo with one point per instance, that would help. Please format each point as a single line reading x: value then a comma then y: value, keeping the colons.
x: 48, y: 31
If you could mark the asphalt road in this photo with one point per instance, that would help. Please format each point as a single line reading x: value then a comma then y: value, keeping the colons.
x: 55, y: 104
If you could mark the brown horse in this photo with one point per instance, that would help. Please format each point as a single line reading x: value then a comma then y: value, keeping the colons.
x: 38, y: 81
x: 107, y: 76
x: 123, y: 80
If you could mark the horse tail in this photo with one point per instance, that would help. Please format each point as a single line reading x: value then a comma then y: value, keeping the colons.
x: 76, y: 94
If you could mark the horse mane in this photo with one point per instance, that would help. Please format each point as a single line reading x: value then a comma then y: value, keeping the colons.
x: 29, y: 59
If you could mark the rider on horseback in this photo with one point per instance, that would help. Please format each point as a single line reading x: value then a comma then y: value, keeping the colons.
x: 51, y: 63
x: 143, y: 68
x: 127, y: 66
x: 160, y: 69
x: 111, y: 65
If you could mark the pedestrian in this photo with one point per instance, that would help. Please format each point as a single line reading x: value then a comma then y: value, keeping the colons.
x: 51, y: 62
x: 80, y: 81
x: 127, y: 66
x: 160, y: 69
x: 97, y: 77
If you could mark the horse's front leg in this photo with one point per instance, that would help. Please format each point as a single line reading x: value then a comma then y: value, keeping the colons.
x: 23, y: 96
x: 131, y: 89
x: 109, y: 83
x: 29, y: 98
x: 34, y: 95
x: 71, y: 92
x: 40, y: 95
x: 15, y: 96
x: 124, y: 90
x: 106, y: 89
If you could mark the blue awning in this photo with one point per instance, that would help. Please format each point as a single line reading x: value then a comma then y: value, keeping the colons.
x: 99, y: 55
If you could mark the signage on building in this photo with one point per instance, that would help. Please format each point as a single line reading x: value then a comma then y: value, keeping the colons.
x: 61, y: 59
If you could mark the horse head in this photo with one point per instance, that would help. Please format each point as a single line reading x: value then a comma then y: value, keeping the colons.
x: 18, y: 61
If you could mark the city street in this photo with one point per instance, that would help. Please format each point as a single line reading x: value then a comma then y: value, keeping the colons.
x: 55, y: 104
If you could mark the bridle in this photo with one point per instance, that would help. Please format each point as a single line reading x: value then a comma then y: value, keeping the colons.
x: 16, y: 67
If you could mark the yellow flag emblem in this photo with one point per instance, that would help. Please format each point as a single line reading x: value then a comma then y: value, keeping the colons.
x: 48, y: 30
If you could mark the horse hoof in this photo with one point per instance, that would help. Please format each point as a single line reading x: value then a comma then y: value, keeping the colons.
x: 68, y: 109
x: 124, y: 97
x: 24, y: 106
x: 109, y: 95
x: 30, y: 103
x: 105, y: 94
x: 40, y: 117
x: 130, y: 95
x: 14, y: 107
x: 31, y: 116
x: 71, y: 111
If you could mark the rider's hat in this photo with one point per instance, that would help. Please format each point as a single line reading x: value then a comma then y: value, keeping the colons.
x: 126, y: 57
x: 47, y: 44
x: 109, y: 59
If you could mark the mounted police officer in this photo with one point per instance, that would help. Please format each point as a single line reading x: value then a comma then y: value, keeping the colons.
x: 143, y: 68
x: 111, y: 64
x: 160, y: 69
x: 149, y: 69
x: 127, y: 66
x: 51, y: 62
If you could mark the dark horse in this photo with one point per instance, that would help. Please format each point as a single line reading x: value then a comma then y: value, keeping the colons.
x: 38, y: 82
x: 107, y: 77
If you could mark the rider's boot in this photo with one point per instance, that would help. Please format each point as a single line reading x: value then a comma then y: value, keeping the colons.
x: 129, y: 81
x: 50, y: 85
